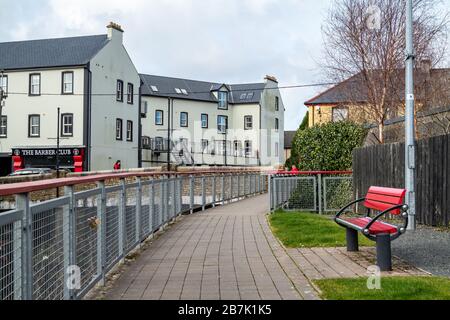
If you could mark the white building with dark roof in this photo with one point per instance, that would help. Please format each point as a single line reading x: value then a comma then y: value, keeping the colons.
x: 96, y: 86
x: 211, y: 123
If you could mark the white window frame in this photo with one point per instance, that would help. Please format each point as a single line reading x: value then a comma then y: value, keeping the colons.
x: 67, y: 86
x: 35, y: 84
x: 4, y: 127
x: 4, y: 84
x: 66, y: 127
x: 159, y: 144
x: 248, y: 125
x: 184, y: 119
x: 222, y: 98
x: 222, y: 127
x: 119, y: 129
x: 248, y: 148
x: 161, y: 112
x: 119, y: 91
x: 277, y: 124
x: 130, y: 93
x: 33, y: 126
x: 129, y: 131
x: 205, y: 120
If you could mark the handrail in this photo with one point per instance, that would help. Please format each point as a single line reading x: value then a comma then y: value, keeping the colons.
x: 299, y: 173
x: 26, y: 187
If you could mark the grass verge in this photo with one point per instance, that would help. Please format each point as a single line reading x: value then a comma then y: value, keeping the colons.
x: 308, y: 230
x: 392, y: 288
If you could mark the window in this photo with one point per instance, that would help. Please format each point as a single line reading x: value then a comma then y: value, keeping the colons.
x: 130, y: 93
x: 67, y: 82
x: 119, y: 91
x: 248, y: 148
x: 159, y: 117
x: 129, y: 130
x: 119, y: 124
x: 67, y: 125
x: 34, y: 126
x: 159, y: 144
x: 154, y: 88
x: 205, y: 121
x: 184, y: 119
x: 3, y: 127
x: 277, y: 124
x: 236, y: 148
x: 184, y: 91
x: 277, y: 104
x: 178, y: 90
x: 277, y: 149
x: 223, y: 100
x: 205, y: 144
x: 243, y: 96
x: 340, y: 114
x: 248, y: 122
x: 222, y: 124
x: 35, y: 84
x: 250, y: 96
x: 4, y: 84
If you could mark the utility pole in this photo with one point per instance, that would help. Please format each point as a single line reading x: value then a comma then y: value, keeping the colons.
x: 410, y: 144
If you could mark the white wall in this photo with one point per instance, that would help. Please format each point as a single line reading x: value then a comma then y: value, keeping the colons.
x: 19, y: 105
x: 268, y: 134
x: 109, y: 65
x: 195, y: 133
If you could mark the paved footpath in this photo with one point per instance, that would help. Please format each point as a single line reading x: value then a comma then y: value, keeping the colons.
x: 226, y: 253
x: 230, y: 253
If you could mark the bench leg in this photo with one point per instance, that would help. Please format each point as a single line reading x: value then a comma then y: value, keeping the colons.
x: 352, y: 240
x: 384, y: 255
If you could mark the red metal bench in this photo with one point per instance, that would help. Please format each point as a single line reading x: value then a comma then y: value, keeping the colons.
x: 382, y: 201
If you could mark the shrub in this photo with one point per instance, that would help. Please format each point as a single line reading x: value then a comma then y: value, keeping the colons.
x: 327, y: 147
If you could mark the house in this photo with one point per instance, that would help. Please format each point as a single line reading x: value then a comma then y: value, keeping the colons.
x: 349, y: 99
x: 288, y: 139
x: 96, y: 86
x: 205, y: 123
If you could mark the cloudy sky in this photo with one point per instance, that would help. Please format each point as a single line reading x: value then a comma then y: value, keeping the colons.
x: 228, y: 41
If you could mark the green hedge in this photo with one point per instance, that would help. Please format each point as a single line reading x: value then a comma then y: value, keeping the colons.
x: 327, y: 147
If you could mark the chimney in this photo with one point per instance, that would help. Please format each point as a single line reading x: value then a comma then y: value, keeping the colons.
x: 271, y: 78
x: 115, y: 32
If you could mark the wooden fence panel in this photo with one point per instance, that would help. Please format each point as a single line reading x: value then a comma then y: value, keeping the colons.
x: 384, y: 165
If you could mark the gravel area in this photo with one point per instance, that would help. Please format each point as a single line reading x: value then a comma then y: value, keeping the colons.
x: 427, y: 248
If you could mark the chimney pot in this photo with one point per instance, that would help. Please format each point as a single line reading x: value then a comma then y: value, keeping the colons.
x: 271, y: 78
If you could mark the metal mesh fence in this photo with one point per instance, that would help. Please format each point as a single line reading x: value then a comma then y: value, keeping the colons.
x: 113, y: 203
x: 337, y: 192
x: 94, y: 229
x: 310, y: 193
x: 10, y: 256
x: 48, y: 246
x: 86, y: 232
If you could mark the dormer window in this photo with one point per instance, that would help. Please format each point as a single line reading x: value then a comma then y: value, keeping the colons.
x: 223, y: 100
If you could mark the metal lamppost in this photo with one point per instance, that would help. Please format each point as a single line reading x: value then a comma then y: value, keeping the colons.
x: 410, y: 147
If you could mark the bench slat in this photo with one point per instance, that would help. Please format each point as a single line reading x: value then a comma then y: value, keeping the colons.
x: 393, y: 201
x: 378, y: 227
x: 381, y: 199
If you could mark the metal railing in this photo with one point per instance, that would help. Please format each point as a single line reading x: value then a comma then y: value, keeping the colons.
x: 62, y: 248
x: 319, y: 191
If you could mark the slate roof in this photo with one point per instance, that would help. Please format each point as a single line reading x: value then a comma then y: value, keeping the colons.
x: 75, y: 51
x: 428, y: 87
x: 200, y: 90
x: 288, y: 138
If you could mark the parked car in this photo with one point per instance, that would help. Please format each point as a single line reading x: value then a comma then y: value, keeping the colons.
x: 30, y: 171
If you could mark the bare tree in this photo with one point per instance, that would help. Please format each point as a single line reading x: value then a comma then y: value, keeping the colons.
x: 365, y: 40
